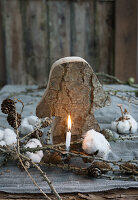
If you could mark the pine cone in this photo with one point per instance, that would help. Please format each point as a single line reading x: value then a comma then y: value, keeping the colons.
x: 98, y: 168
x: 12, y: 119
x: 8, y: 106
x: 46, y: 123
x: 26, y: 164
x: 103, y: 166
x: 94, y: 171
x: 37, y: 133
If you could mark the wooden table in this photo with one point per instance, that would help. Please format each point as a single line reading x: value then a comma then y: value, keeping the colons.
x: 129, y: 194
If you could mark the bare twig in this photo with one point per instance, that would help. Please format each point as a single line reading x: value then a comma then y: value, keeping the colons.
x: 21, y: 103
x: 131, y: 137
x: 47, y: 197
x: 64, y: 167
x: 132, y: 177
x: 17, y: 132
x: 72, y: 143
x: 44, y: 176
x: 27, y: 135
x: 120, y: 106
x: 39, y: 126
x: 129, y: 99
x: 116, y: 80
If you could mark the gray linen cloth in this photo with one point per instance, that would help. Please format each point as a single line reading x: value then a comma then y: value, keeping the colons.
x: 12, y: 179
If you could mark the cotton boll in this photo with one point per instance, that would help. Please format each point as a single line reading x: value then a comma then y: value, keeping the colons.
x: 114, y: 126
x: 9, y: 136
x: 2, y: 143
x: 133, y: 123
x: 34, y: 157
x: 28, y: 124
x: 134, y: 126
x: 95, y: 141
x: 33, y: 120
x: 26, y: 127
x: 125, y: 125
x: 37, y: 156
x: 1, y: 134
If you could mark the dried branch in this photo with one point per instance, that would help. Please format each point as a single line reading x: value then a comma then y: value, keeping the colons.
x: 47, y: 197
x: 21, y: 103
x: 120, y: 177
x: 39, y: 126
x: 65, y: 167
x: 72, y: 143
x: 131, y: 137
x: 44, y: 176
x: 116, y: 80
x: 129, y: 99
x: 17, y: 133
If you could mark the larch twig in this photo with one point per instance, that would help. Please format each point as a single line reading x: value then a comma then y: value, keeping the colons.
x: 47, y: 197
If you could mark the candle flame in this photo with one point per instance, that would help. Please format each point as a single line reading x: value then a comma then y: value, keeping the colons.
x: 69, y: 122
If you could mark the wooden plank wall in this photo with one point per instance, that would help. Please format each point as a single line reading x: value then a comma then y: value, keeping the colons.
x: 2, y: 56
x: 126, y: 39
x: 38, y: 32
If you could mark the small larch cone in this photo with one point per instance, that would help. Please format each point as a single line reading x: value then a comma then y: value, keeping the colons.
x: 7, y: 106
x: 13, y: 121
x: 97, y: 168
x: 37, y: 133
x: 74, y: 89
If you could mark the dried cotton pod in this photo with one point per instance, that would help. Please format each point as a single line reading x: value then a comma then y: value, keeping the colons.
x: 125, y: 124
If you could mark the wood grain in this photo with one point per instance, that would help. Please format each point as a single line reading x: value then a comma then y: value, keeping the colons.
x: 125, y: 39
x: 2, y: 53
x: 35, y: 37
x: 105, y: 36
x: 82, y: 30
x: 129, y: 194
x: 38, y: 32
x: 59, y: 29
x: 13, y: 42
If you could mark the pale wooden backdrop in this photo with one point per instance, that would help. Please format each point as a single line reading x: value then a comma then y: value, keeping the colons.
x: 35, y: 33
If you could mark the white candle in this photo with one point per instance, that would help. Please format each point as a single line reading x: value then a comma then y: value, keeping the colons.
x: 68, y: 139
x: 68, y: 136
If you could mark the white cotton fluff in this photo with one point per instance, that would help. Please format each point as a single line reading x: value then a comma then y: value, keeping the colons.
x: 1, y: 134
x: 37, y: 156
x: 125, y: 126
x: 2, y: 143
x: 28, y: 123
x: 9, y: 137
x: 33, y: 120
x: 95, y: 141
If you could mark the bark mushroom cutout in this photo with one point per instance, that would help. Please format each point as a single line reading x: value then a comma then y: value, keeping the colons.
x: 74, y: 89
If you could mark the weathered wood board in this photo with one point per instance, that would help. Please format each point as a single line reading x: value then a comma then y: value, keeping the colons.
x: 105, y: 36
x: 112, y: 194
x: 2, y: 58
x: 14, y: 60
x: 35, y: 37
x: 126, y: 39
x: 59, y: 29
x: 36, y: 33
